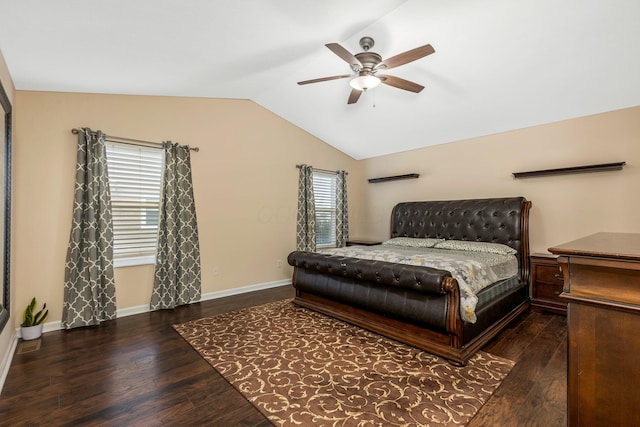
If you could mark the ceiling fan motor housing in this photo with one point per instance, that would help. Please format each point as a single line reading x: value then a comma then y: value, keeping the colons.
x: 368, y: 60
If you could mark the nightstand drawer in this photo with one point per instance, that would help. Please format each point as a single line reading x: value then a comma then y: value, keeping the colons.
x: 547, y: 283
x: 548, y: 292
x: 549, y: 274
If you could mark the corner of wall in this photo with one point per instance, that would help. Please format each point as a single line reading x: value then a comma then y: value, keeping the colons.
x: 8, y: 342
x: 7, y: 81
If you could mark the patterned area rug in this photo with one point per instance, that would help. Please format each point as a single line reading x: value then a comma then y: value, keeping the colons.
x: 301, y: 368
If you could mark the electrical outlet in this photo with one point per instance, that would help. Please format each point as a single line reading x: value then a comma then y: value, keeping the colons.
x: 216, y: 270
x: 279, y: 263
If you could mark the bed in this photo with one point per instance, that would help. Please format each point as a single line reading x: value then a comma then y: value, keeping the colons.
x: 435, y: 283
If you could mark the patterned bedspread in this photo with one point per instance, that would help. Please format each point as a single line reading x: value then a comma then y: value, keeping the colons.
x: 473, y: 270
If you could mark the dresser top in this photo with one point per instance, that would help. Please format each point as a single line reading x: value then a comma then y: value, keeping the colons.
x: 603, y: 245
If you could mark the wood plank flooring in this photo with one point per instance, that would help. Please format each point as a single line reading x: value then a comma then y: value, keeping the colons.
x: 137, y: 371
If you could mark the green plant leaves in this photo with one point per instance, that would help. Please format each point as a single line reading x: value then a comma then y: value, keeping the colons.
x: 28, y: 319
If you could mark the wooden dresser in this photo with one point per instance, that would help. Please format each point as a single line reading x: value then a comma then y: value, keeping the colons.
x: 602, y: 286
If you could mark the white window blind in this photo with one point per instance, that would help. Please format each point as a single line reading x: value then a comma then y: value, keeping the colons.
x: 324, y: 191
x: 135, y: 175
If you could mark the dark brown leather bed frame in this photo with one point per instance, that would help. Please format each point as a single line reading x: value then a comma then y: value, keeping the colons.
x: 420, y: 306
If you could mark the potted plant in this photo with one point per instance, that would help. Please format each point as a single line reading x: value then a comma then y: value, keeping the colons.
x: 31, y: 327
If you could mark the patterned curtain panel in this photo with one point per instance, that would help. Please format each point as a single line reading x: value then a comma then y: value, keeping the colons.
x: 342, y: 210
x: 177, y: 272
x: 89, y: 289
x: 306, y: 226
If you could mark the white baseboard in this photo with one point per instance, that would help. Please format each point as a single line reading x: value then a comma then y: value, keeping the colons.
x: 139, y: 309
x: 7, y: 357
x: 130, y: 311
x: 244, y: 289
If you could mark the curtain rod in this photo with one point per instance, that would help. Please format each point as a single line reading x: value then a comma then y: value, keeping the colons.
x: 132, y: 141
x: 322, y: 170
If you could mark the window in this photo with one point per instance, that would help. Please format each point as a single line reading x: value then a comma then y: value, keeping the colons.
x: 135, y: 174
x: 324, y: 190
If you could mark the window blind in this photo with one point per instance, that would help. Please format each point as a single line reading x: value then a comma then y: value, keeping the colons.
x: 324, y: 191
x: 135, y: 175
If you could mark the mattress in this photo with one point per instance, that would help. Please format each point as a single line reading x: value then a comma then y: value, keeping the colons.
x: 474, y: 271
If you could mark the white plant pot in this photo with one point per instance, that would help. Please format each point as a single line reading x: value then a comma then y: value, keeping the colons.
x: 31, y: 332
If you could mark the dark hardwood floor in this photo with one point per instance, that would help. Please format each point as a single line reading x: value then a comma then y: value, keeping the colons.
x: 137, y: 371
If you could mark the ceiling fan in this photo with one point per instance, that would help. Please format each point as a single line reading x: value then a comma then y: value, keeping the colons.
x: 365, y: 66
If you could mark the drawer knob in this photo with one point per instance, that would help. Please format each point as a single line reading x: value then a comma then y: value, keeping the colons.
x: 558, y: 276
x: 557, y: 293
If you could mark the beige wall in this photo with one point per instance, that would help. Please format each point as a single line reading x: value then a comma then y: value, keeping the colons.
x: 564, y: 207
x: 245, y: 182
x: 7, y: 332
x: 245, y: 185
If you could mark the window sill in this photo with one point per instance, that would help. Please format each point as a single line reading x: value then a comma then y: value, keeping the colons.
x: 132, y: 262
x: 326, y: 246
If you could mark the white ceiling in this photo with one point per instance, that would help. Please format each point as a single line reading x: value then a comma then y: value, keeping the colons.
x: 499, y: 65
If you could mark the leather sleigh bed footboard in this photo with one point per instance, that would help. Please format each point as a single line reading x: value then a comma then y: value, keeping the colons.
x: 420, y: 306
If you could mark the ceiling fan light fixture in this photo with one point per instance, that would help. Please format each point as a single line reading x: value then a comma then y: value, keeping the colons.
x: 364, y: 82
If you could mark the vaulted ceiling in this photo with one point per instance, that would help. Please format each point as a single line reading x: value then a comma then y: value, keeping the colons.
x: 499, y: 65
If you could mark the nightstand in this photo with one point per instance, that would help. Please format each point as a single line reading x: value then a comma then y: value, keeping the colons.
x: 547, y: 283
x: 362, y: 242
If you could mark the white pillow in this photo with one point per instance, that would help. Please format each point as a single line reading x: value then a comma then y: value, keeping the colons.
x: 413, y: 242
x: 463, y: 245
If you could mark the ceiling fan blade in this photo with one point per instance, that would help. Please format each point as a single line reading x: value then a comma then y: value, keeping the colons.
x: 401, y: 83
x: 354, y: 96
x: 324, y: 79
x: 406, y: 57
x: 345, y: 55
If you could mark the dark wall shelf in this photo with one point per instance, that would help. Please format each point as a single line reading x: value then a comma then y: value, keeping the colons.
x: 393, y: 178
x: 576, y: 169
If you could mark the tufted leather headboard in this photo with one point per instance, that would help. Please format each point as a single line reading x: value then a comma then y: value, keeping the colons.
x: 500, y: 220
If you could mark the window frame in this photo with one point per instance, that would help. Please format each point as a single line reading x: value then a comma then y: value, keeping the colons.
x: 144, y: 156
x: 319, y: 176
